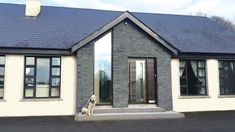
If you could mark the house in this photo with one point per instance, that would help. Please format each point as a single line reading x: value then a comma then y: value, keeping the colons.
x: 54, y: 58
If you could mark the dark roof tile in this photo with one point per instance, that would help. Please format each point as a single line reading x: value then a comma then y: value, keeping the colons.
x: 60, y: 28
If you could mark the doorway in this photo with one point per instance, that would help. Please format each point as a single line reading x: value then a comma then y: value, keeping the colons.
x: 142, y: 79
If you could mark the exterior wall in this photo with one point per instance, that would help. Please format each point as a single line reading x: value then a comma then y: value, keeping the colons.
x: 14, y: 104
x: 130, y: 41
x: 212, y: 102
x: 85, y: 75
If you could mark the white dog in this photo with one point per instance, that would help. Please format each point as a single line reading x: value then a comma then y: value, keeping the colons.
x: 89, y: 106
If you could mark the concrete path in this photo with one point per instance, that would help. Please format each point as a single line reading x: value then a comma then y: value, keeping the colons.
x: 194, y: 122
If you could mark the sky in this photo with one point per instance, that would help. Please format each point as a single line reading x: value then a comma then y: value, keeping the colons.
x: 224, y: 8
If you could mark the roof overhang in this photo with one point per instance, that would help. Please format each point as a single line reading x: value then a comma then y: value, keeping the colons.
x: 117, y: 21
x: 7, y: 50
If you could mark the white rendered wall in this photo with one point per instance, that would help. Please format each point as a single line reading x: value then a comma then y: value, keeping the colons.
x: 14, y: 104
x: 213, y: 102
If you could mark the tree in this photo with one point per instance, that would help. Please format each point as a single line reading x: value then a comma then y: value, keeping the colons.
x: 218, y: 19
x: 225, y: 22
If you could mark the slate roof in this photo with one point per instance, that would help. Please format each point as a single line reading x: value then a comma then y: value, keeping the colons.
x: 61, y: 28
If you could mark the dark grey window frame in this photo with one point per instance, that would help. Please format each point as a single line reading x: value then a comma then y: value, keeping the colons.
x: 3, y: 76
x: 186, y: 79
x: 222, y: 77
x: 35, y: 75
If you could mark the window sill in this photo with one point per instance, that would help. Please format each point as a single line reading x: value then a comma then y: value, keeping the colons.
x: 226, y: 96
x: 41, y: 100
x: 193, y: 97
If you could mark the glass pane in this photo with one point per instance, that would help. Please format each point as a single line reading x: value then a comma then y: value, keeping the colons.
x: 55, y: 92
x: 229, y: 83
x: 55, y: 82
x: 102, y: 75
x: 201, y: 64
x: 1, y: 82
x: 43, y: 74
x: 2, y: 70
x: 30, y: 61
x: 202, y: 81
x: 29, y: 71
x: 202, y: 91
x: 201, y: 73
x: 2, y: 60
x: 55, y: 61
x: 195, y: 78
x: 28, y: 92
x: 56, y: 71
x: 1, y: 93
x: 29, y: 80
x: 140, y: 81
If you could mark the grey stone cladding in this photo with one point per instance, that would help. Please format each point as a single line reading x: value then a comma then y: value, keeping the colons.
x: 85, y: 72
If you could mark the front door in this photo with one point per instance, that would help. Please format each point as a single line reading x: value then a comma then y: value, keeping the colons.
x: 142, y: 80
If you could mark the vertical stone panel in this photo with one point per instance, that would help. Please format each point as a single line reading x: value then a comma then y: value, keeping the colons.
x: 85, y: 73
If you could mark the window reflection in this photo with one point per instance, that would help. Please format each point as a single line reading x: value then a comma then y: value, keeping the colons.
x: 103, y: 77
x: 43, y: 70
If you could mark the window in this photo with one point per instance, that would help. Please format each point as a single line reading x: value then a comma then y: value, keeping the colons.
x: 103, y: 69
x: 192, y: 77
x: 2, y: 74
x: 227, y: 77
x: 42, y: 77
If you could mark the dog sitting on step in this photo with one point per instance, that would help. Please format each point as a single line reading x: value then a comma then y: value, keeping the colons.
x: 89, y: 106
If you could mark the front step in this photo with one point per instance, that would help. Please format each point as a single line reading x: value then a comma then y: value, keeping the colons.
x: 132, y: 112
x: 130, y: 109
x: 129, y: 116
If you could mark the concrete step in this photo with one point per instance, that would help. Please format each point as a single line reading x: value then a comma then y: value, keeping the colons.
x: 101, y: 110
x: 129, y: 116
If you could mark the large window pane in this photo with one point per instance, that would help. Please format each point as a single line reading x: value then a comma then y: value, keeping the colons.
x: 103, y: 77
x: 43, y: 74
x: 227, y: 77
x: 192, y: 77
